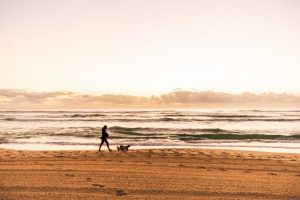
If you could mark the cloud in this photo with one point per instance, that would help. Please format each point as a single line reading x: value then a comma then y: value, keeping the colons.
x: 30, y: 95
x: 14, y: 99
x: 188, y: 97
x: 184, y: 97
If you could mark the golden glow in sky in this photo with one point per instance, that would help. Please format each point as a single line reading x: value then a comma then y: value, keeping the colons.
x: 141, y: 47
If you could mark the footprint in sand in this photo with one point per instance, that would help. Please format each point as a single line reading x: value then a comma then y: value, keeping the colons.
x: 297, y: 174
x: 272, y: 174
x: 98, y: 185
x: 70, y: 175
x: 89, y: 179
x: 120, y: 192
x: 221, y: 169
x: 181, y: 165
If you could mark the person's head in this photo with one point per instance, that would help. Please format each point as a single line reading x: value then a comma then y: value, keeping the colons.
x: 104, y: 127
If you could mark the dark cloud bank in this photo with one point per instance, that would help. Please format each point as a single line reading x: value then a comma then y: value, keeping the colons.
x: 14, y: 99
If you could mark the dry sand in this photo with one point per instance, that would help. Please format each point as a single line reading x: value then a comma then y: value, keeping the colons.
x: 149, y: 174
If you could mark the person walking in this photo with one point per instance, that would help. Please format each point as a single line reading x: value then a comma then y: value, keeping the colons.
x: 104, y: 137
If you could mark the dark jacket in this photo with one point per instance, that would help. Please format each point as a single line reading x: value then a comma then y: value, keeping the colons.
x: 104, y: 134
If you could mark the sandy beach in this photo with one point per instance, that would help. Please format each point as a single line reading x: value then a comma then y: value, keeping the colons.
x: 149, y: 174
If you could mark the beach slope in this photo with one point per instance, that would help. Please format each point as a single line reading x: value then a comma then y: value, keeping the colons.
x: 149, y: 174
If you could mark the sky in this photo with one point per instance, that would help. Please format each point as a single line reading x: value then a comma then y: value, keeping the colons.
x: 144, y: 48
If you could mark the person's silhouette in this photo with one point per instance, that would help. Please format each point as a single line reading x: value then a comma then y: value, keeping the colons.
x: 104, y: 137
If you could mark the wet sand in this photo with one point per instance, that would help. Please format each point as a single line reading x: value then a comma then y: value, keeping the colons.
x: 149, y: 174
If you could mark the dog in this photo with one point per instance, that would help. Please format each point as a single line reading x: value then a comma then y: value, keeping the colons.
x: 123, y: 148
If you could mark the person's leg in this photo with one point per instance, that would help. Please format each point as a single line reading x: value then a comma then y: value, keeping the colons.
x: 107, y: 145
x: 102, y: 141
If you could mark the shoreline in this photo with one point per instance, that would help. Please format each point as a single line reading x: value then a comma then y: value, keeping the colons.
x: 43, y: 147
x: 149, y: 173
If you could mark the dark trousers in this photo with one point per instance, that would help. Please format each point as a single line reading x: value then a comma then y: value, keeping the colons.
x: 102, y: 141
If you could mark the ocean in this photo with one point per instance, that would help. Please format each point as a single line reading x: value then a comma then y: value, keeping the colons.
x: 257, y: 130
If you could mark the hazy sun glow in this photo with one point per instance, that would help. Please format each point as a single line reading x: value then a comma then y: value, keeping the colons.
x: 141, y: 47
